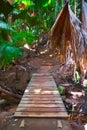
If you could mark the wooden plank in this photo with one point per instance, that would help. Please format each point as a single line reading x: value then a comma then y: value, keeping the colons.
x: 44, y: 114
x: 42, y: 96
x: 42, y: 79
x: 43, y: 84
x: 42, y: 92
x: 40, y: 101
x: 41, y: 109
x: 41, y: 74
x: 42, y: 105
x: 38, y: 88
x: 41, y: 87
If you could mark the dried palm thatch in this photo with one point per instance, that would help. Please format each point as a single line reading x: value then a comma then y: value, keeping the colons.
x: 68, y: 36
x: 84, y: 15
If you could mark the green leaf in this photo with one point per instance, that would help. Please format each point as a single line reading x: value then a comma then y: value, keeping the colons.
x: 8, y: 53
x: 20, y: 38
x: 60, y: 89
x: 39, y: 4
x: 76, y: 76
x: 5, y: 26
x: 85, y: 89
x: 47, y: 3
x: 26, y: 2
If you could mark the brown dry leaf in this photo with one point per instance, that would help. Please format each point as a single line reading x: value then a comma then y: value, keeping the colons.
x: 70, y: 39
x: 22, y: 124
x: 59, y: 124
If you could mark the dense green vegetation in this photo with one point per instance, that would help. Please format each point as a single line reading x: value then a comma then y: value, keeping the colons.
x: 24, y: 21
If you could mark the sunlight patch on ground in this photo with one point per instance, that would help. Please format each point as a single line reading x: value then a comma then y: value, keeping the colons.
x: 37, y: 91
x: 85, y: 126
x: 50, y: 55
x: 26, y: 90
x: 49, y: 92
x: 29, y: 48
x: 26, y: 46
x: 77, y: 94
x: 42, y: 52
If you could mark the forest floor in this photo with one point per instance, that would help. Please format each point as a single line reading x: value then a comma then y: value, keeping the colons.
x: 15, y: 78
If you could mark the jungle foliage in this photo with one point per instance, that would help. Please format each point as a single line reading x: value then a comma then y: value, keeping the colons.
x: 24, y: 21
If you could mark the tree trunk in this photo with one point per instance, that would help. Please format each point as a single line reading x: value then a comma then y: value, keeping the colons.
x: 5, y: 94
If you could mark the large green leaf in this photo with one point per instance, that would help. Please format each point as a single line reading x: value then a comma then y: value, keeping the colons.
x: 8, y: 53
x: 20, y: 38
x: 5, y: 26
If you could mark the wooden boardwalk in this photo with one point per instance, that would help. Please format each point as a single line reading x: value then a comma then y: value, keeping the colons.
x: 41, y: 99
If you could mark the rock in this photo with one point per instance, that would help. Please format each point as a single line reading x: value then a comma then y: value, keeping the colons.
x: 18, y: 80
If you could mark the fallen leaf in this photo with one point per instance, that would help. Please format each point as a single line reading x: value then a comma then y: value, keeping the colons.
x: 59, y: 124
x: 22, y: 123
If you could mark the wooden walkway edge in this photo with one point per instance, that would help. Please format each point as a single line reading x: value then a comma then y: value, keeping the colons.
x: 41, y: 99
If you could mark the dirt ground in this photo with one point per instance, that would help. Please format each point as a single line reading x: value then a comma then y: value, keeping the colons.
x: 16, y: 77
